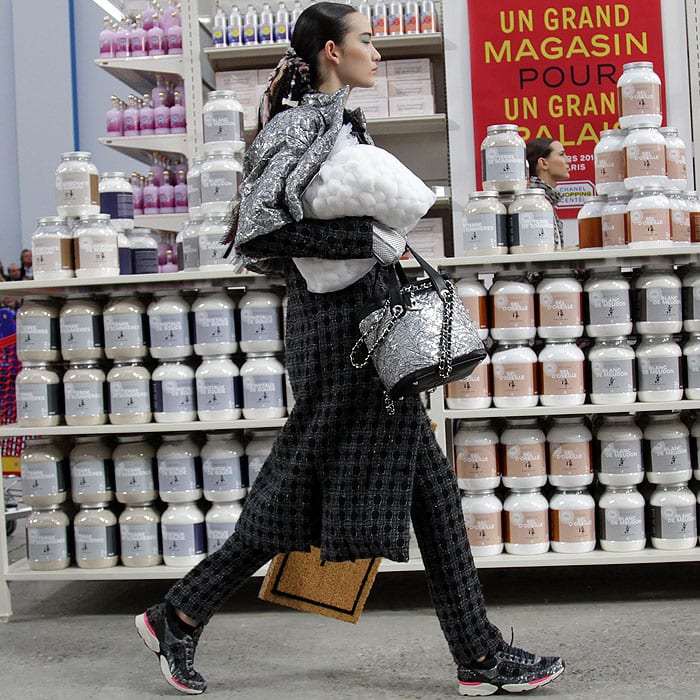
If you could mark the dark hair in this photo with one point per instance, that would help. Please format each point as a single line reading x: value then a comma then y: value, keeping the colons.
x: 536, y: 149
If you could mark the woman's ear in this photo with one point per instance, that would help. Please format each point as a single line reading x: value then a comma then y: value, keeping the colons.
x: 542, y: 163
x: 330, y: 53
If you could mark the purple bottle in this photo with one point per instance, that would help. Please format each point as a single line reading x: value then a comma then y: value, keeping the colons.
x: 166, y: 195
x: 161, y: 115
x: 107, y: 40
x: 180, y: 192
x: 131, y: 117
x: 122, y: 39
x: 178, y: 122
x: 150, y: 196
x: 156, y: 39
x: 156, y: 96
x: 180, y: 87
x: 138, y: 39
x: 157, y: 170
x: 115, y: 118
x: 137, y: 187
x: 146, y: 119
x: 174, y: 35
x: 148, y: 14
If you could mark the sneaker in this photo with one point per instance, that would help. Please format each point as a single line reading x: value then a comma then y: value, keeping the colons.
x: 176, y: 654
x: 513, y: 670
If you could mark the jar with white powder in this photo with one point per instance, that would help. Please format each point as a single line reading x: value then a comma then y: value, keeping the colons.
x: 38, y: 395
x: 96, y: 247
x: 117, y: 198
x: 262, y: 379
x: 49, y: 543
x: 474, y: 298
x: 257, y: 451
x: 134, y: 470
x: 560, y: 305
x: 184, y: 535
x: 609, y: 162
x: 221, y: 521
x: 674, y: 522
x: 194, y: 192
x: 52, y: 249
x: 218, y: 389
x: 531, y: 219
x: 514, y: 369
x: 139, y: 534
x: 77, y: 185
x: 680, y: 217
x: 483, y: 513
x: 38, y: 336
x: 569, y: 445
x: 187, y: 242
x: 168, y: 321
x: 572, y: 521
x: 524, y: 459
x: 691, y: 357
x: 96, y: 537
x: 485, y: 225
x: 667, y: 449
x: 124, y: 320
x: 129, y: 391
x: 609, y: 312
x: 173, y: 392
x: 91, y: 477
x: 691, y: 299
x: 639, y: 94
x: 676, y: 165
x: 503, y: 161
x: 613, y: 221
x: 222, y: 115
x: 261, y: 322
x: 620, y: 453
x: 695, y: 445
x: 223, y: 468
x: 221, y: 175
x: 80, y: 324
x: 658, y: 307
x: 526, y: 522
x: 84, y: 394
x: 562, y: 380
x: 179, y: 469
x: 214, y: 324
x: 659, y: 369
x: 645, y: 157
x: 473, y: 391
x: 649, y: 218
x: 612, y: 371
x: 476, y: 455
x: 621, y: 524
x: 210, y: 235
x: 43, y: 471
x: 512, y: 301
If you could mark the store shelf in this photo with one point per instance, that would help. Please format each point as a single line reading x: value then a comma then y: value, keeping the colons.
x: 162, y: 222
x: 139, y: 72
x: 142, y: 147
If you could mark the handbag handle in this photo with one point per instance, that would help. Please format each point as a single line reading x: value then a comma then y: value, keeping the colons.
x: 435, y: 277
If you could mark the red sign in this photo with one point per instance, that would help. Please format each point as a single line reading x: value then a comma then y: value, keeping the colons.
x: 552, y: 68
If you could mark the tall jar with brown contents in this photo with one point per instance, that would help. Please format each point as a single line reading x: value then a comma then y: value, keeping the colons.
x: 590, y: 223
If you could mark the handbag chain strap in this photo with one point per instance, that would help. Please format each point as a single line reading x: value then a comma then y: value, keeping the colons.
x: 396, y: 313
x: 445, y: 360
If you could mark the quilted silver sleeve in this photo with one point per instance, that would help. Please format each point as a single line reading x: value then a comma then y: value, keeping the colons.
x: 387, y: 244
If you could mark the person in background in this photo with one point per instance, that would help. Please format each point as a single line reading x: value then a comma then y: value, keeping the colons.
x: 14, y: 272
x: 26, y: 265
x: 3, y: 275
x: 548, y: 166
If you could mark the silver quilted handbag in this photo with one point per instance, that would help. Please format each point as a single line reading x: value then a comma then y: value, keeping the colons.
x: 419, y: 336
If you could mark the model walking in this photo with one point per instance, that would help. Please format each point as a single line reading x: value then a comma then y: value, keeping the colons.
x: 343, y: 474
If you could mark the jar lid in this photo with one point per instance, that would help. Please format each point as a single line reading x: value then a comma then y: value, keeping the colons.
x: 60, y: 220
x: 650, y: 124
x: 529, y: 192
x: 669, y: 130
x: 106, y: 176
x: 84, y: 364
x: 94, y: 506
x: 637, y: 64
x: 648, y: 189
x: 260, y: 354
x: 485, y: 194
x: 221, y: 152
x: 500, y: 128
x: 93, y: 218
x: 596, y: 198
x: 215, y: 94
x: 611, y: 132
x: 76, y: 155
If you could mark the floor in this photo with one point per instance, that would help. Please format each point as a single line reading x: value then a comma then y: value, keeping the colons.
x: 624, y: 632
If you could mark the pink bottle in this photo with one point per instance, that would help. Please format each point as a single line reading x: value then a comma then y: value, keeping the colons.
x: 131, y: 117
x: 147, y: 16
x: 156, y: 39
x: 166, y: 195
x: 150, y: 196
x: 157, y: 169
x: 107, y: 40
x: 115, y: 118
x: 180, y: 87
x: 122, y: 39
x: 180, y: 192
x: 156, y: 97
x: 168, y: 16
x: 138, y: 39
x: 174, y: 35
x: 146, y: 119
x: 137, y: 186
x: 161, y: 115
x: 178, y: 122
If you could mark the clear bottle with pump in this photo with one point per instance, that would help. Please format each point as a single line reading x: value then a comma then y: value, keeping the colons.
x: 107, y: 39
x: 156, y: 39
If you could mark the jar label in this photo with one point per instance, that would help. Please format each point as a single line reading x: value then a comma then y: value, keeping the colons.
x: 145, y: 261
x: 503, y: 163
x: 38, y: 401
x: 649, y: 225
x: 263, y: 391
x: 261, y: 323
x: 524, y: 460
x: 485, y: 231
x: 478, y: 311
x: 659, y: 304
x: 483, y: 529
x: 647, y: 159
x: 217, y: 534
x: 95, y: 252
x: 52, y: 254
x: 691, y: 303
x: 119, y: 205
x: 123, y: 330
x: 612, y: 376
x: 223, y: 125
x: 532, y: 228
x: 609, y: 167
x: 190, y: 253
x: 513, y: 310
x: 590, y: 232
x: 573, y: 524
x: 511, y: 379
x: 639, y: 98
x: 560, y: 309
x: 194, y: 195
x: 183, y: 540
x: 84, y: 398
x: 222, y: 474
x: 614, y: 229
x: 91, y: 476
x: 562, y: 378
x: 608, y: 307
x: 81, y: 332
x: 476, y: 386
x: 659, y: 373
x: 476, y: 461
x: 93, y: 543
x: 48, y: 543
x: 169, y: 330
x: 211, y: 249
x: 692, y: 363
x: 570, y: 458
x: 674, y: 522
x: 219, y: 185
x: 173, y: 396
x: 526, y: 527
x: 37, y: 334
x: 676, y: 164
x: 139, y: 540
x: 680, y: 225
x: 77, y: 189
x: 621, y: 457
x: 179, y: 474
x: 43, y: 478
x: 217, y: 394
x: 134, y: 476
x: 669, y: 455
x: 129, y: 397
x: 622, y: 524
x: 216, y: 326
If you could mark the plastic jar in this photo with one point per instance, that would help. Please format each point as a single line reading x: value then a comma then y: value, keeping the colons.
x: 221, y: 521
x: 526, y: 522
x: 52, y: 249
x: 474, y: 391
x: 38, y: 331
x: 676, y: 164
x: 262, y: 378
x: 483, y: 514
x: 221, y: 175
x: 572, y: 518
x: 48, y: 539
x: 96, y: 247
x: 129, y: 391
x: 613, y: 221
x: 693, y: 204
x: 223, y: 468
x: 194, y: 182
x: 214, y: 324
x: 609, y: 162
x: 117, y: 198
x: 80, y: 324
x: 173, y: 387
x: 691, y: 354
x: 139, y: 534
x: 648, y: 217
x: 485, y: 225
x: 659, y: 369
x: 473, y: 295
x: 645, y: 157
x: 531, y: 219
x: 562, y: 381
x: 560, y: 305
x: 609, y: 312
x: 680, y: 217
x: 43, y: 474
x: 695, y: 446
x: 612, y: 371
x: 222, y: 115
x: 524, y: 460
x: 503, y: 161
x: 590, y: 223
x: 218, y: 389
x: 257, y: 451
x: 514, y: 369
x: 187, y: 242
x: 179, y: 469
x: 144, y: 251
x: 621, y: 520
x: 667, y: 449
x: 512, y: 301
x: 659, y: 300
x: 123, y: 318
x: 38, y: 395
x: 96, y: 537
x: 639, y: 95
x: 91, y: 476
x: 476, y: 455
x: 168, y: 322
x: 210, y: 235
x: 261, y: 322
x: 620, y: 454
x: 84, y: 393
x: 673, y: 517
x: 184, y: 535
x: 134, y: 470
x: 77, y: 185
x: 570, y: 455
x: 691, y: 299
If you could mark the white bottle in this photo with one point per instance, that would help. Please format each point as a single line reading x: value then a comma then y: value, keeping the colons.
x: 668, y: 447
x: 265, y: 24
x: 261, y: 322
x: 179, y: 469
x: 38, y: 396
x: 560, y: 305
x: 473, y: 391
x: 168, y: 322
x: 570, y: 455
x: 659, y: 369
x: 123, y: 319
x: 96, y: 537
x: 608, y: 304
x: 139, y: 534
x: 129, y: 390
x: 676, y: 165
x: 561, y: 364
x: 134, y: 470
x: 514, y: 370
x: 281, y: 29
x: 412, y: 17
x: 84, y: 394
x: 262, y: 377
x: 621, y: 520
x: 219, y: 34
x: 512, y: 300
x: 525, y: 516
x: 691, y: 355
x: 48, y: 539
x: 524, y: 464
x: 257, y: 451
x: 612, y: 371
x: 483, y: 513
x: 395, y: 25
x: 428, y: 17
x: 174, y: 396
x: 572, y: 518
x: 221, y: 521
x: 43, y: 474
x: 673, y: 517
x: 235, y: 27
x: 474, y: 298
x: 620, y: 453
x: 250, y: 28
x: 214, y: 324
x: 379, y: 18
x: 223, y: 477
x: 476, y: 456
x: 91, y: 471
x: 218, y: 389
x: 80, y: 322
x: 184, y: 535
x: 658, y: 301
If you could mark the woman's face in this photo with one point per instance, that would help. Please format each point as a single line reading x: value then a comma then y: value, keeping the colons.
x: 556, y: 163
x: 357, y: 66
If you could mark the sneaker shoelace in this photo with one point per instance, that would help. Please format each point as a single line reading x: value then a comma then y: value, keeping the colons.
x: 516, y: 653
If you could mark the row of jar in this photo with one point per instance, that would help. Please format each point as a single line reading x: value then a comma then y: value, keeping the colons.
x: 608, y: 304
x: 622, y: 454
x: 95, y: 538
x: 136, y: 470
x: 527, y: 523
x: 125, y: 328
x: 515, y: 376
x: 128, y: 394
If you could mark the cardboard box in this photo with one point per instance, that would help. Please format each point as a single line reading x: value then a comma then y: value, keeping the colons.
x: 381, y: 69
x: 236, y: 80
x: 427, y: 239
x: 409, y: 69
x: 410, y: 88
x: 264, y: 75
x: 380, y: 89
x: 374, y: 108
x: 411, y: 106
